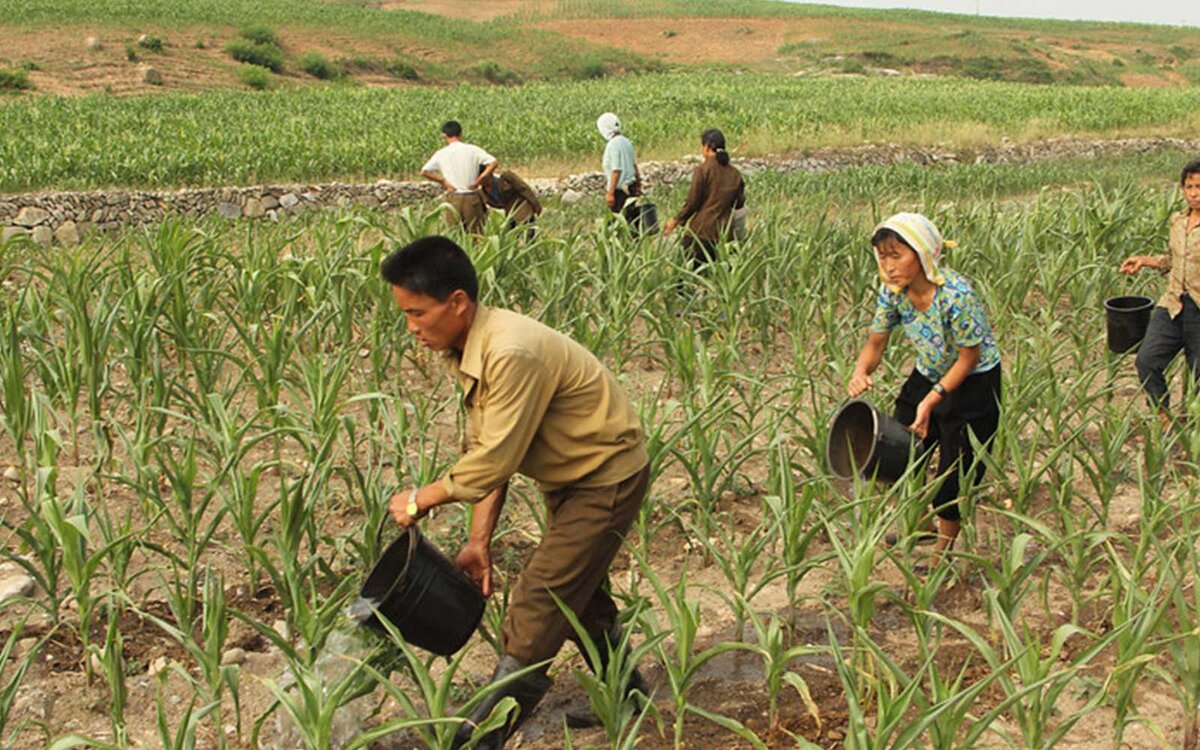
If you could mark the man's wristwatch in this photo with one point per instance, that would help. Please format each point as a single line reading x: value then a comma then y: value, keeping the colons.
x: 939, y: 389
x: 412, y: 509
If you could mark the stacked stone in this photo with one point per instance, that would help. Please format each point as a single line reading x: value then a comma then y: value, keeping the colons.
x: 65, y: 217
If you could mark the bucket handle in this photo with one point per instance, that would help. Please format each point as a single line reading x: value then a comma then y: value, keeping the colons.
x: 413, y: 537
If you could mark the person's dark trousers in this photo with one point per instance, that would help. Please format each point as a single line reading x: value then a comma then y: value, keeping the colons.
x: 975, y: 407
x: 629, y: 210
x: 700, y: 252
x: 1165, y: 336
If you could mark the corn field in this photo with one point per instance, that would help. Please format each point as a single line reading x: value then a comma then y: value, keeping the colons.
x: 229, y: 137
x: 205, y: 423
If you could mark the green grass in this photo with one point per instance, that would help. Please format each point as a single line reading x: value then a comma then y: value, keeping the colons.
x: 366, y: 134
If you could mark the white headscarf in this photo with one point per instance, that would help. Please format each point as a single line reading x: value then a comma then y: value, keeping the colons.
x: 608, y: 125
x: 922, y: 235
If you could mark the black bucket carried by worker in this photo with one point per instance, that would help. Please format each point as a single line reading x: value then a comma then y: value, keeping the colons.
x: 643, y: 217
x: 1126, y: 319
x: 863, y: 439
x: 423, y: 594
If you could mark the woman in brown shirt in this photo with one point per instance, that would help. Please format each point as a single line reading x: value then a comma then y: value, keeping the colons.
x: 717, y: 190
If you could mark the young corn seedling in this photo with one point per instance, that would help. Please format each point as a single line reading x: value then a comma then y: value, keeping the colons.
x: 426, y: 701
x: 1024, y: 660
x: 789, y: 509
x: 1139, y: 610
x: 737, y: 558
x: 771, y: 645
x: 15, y: 666
x: 606, y: 685
x: 216, y: 679
x: 678, y: 653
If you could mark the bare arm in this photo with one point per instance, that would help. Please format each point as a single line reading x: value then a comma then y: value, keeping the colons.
x: 968, y: 357
x: 484, y: 175
x: 868, y: 362
x: 1135, y: 263
x: 475, y: 558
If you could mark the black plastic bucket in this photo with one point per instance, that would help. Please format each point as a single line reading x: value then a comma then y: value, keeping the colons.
x: 644, y: 217
x: 421, y: 592
x: 1126, y: 319
x: 864, y: 439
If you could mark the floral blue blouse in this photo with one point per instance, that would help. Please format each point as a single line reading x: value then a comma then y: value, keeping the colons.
x: 954, y: 320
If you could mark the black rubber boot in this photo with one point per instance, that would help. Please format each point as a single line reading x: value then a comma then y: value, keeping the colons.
x: 526, y: 690
x: 585, y: 718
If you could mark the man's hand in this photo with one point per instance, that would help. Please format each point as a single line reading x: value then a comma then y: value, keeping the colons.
x: 398, y: 507
x: 860, y: 382
x: 475, y: 559
x: 920, y: 425
x: 610, y: 199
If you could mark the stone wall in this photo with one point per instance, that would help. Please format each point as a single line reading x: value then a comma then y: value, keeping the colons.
x: 65, y: 217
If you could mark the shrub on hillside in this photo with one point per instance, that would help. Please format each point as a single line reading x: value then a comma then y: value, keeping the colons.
x: 255, y: 53
x: 150, y: 42
x: 401, y: 69
x: 14, y: 79
x: 589, y: 68
x: 255, y: 77
x: 259, y: 34
x: 318, y: 66
x: 491, y: 71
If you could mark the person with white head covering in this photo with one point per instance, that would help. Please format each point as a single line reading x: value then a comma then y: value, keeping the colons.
x: 954, y: 390
x: 621, y: 176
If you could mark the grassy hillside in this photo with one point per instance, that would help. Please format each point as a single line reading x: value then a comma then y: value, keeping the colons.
x: 412, y: 42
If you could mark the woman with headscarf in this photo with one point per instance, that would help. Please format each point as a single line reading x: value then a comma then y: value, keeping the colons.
x: 622, y: 179
x: 954, y: 390
x: 717, y: 190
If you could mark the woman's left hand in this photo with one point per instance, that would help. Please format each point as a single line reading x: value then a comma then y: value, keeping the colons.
x: 671, y: 224
x: 920, y: 425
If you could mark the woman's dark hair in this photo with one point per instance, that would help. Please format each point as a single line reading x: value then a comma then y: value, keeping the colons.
x: 433, y: 266
x: 451, y: 129
x: 715, y: 140
x: 883, y: 233
x: 1191, y: 168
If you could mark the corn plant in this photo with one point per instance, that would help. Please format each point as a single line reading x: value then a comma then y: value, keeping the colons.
x: 678, y: 654
x: 606, y: 685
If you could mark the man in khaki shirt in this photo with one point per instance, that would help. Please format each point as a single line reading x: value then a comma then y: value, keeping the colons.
x: 540, y: 404
x: 1175, y: 322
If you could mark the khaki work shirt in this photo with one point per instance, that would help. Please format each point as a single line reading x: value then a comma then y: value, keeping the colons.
x: 540, y: 404
x: 715, y: 192
x: 1183, y: 260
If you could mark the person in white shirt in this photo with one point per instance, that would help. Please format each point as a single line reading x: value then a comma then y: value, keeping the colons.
x: 461, y: 168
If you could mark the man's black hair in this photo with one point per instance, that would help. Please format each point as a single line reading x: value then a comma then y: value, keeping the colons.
x: 433, y: 266
x: 452, y: 129
x: 1191, y: 168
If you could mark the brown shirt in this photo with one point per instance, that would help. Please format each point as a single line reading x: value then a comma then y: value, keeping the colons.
x: 514, y: 195
x: 715, y: 192
x: 540, y: 404
x: 1183, y: 260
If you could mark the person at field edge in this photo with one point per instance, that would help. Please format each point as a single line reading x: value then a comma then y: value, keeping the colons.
x: 622, y: 178
x: 539, y: 403
x: 1175, y: 322
x: 512, y: 195
x: 717, y: 190
x: 462, y: 169
x: 954, y: 390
